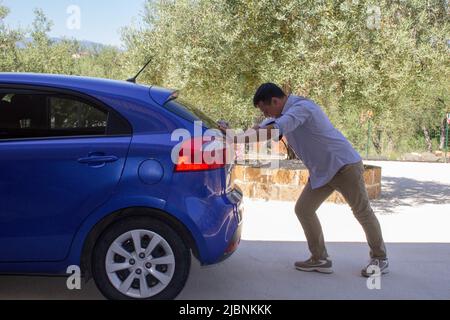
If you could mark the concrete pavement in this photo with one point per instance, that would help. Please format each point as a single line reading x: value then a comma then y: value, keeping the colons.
x: 415, y: 216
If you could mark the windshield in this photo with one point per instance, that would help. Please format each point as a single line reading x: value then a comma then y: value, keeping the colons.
x: 189, y: 112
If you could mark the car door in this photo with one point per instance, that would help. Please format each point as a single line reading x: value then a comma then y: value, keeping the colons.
x: 61, y: 157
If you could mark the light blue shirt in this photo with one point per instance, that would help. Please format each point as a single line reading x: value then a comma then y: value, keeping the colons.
x: 323, y: 149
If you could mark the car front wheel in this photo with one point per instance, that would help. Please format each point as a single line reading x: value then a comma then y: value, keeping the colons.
x: 140, y: 258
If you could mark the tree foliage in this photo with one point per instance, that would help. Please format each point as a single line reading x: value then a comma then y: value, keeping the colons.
x: 388, y: 59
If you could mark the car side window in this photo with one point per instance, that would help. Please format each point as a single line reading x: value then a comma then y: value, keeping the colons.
x: 25, y: 115
x: 71, y: 114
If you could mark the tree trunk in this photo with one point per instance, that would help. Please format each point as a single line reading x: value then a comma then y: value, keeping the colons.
x: 376, y: 141
x: 442, y: 136
x: 426, y: 133
x: 287, y: 88
x: 291, y: 155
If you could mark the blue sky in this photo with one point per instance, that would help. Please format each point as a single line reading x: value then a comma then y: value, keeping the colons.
x: 100, y: 20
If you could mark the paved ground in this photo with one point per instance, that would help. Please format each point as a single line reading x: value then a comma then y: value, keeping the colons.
x: 415, y: 215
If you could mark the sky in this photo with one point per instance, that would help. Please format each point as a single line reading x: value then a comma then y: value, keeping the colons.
x: 92, y: 20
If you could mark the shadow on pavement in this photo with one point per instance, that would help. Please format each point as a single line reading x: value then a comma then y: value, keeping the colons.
x: 409, y: 192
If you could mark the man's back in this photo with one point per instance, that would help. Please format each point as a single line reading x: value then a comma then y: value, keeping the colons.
x: 314, y: 139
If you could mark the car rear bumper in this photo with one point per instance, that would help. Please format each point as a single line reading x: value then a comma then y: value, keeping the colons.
x: 234, y: 230
x: 233, y: 244
x: 213, y: 217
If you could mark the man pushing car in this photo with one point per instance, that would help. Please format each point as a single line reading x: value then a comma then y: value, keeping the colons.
x: 333, y: 164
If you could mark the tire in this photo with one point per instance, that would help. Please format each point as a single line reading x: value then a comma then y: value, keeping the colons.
x: 115, y: 249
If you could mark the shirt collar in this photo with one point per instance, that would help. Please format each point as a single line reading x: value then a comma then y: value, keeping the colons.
x: 289, y: 103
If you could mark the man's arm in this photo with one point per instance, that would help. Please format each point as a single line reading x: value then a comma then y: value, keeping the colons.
x: 255, y: 135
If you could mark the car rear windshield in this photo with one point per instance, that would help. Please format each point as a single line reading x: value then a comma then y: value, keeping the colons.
x: 187, y: 111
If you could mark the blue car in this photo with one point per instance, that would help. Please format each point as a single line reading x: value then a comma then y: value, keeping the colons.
x: 88, y: 179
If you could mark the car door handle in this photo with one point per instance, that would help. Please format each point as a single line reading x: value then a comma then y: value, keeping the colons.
x: 98, y: 159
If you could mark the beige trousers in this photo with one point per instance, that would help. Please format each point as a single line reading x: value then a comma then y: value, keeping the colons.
x: 349, y: 181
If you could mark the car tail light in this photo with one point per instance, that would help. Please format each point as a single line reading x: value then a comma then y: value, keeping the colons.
x: 201, y: 154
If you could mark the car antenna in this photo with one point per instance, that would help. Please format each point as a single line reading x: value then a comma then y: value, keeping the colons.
x: 133, y: 80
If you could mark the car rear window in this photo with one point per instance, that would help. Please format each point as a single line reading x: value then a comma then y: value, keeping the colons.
x: 189, y: 112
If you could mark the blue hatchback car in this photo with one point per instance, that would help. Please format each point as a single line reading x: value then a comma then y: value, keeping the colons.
x: 88, y: 179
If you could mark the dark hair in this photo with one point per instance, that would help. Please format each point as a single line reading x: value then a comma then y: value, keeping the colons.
x: 266, y: 92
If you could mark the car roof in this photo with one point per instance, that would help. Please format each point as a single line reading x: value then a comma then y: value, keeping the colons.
x: 88, y: 85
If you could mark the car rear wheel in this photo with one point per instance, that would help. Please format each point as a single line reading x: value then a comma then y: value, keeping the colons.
x: 140, y: 258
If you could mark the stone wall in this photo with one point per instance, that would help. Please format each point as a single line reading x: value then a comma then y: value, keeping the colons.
x: 286, y: 184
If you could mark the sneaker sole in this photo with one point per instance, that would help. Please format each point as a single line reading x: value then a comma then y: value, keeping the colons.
x: 320, y: 270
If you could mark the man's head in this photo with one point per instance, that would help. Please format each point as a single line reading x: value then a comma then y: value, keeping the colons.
x: 270, y: 99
